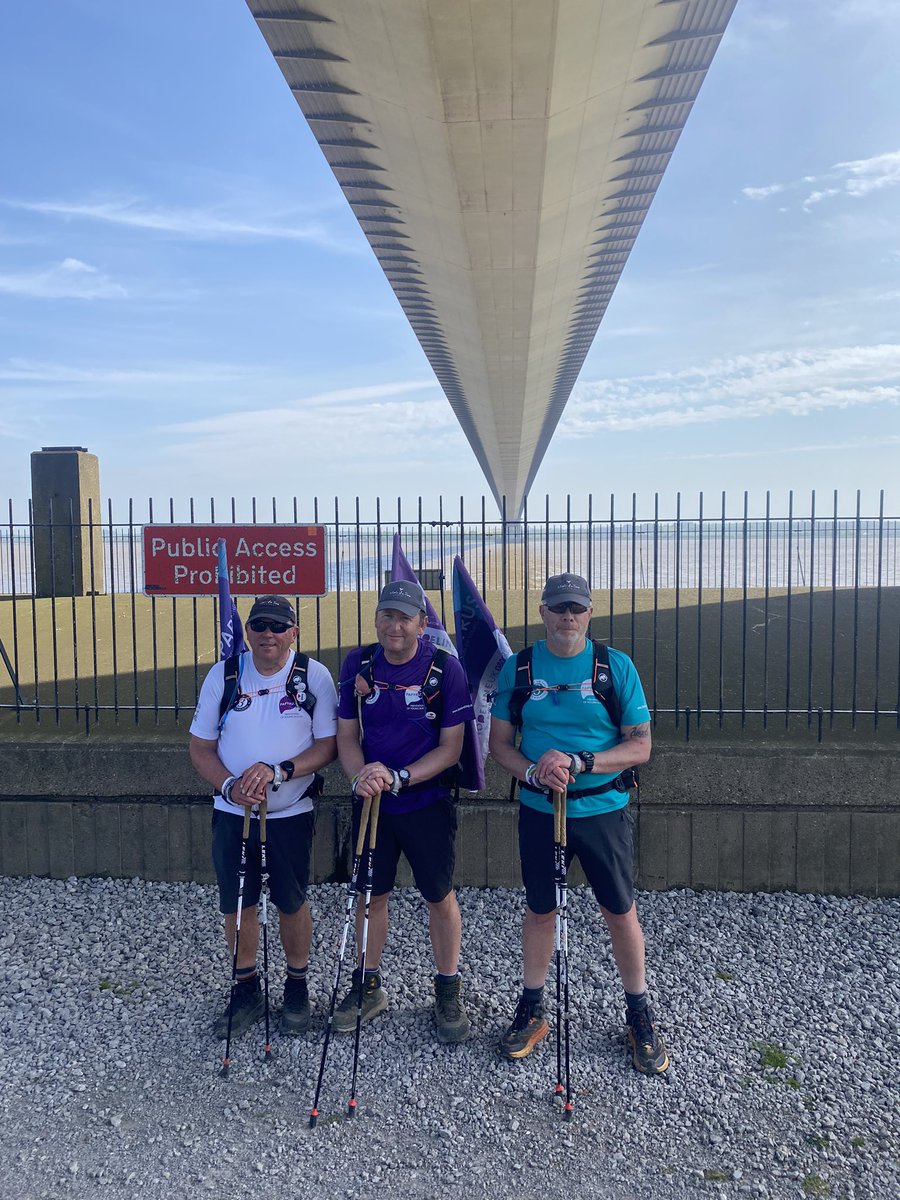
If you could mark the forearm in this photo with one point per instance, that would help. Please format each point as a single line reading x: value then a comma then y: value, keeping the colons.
x: 511, y: 759
x: 629, y: 753
x: 441, y: 758
x: 322, y: 752
x: 350, y: 752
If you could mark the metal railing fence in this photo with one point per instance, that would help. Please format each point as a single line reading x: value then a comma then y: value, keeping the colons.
x: 731, y: 618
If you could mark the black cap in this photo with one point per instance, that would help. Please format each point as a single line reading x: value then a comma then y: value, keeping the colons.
x: 560, y: 588
x: 274, y: 608
x: 403, y: 595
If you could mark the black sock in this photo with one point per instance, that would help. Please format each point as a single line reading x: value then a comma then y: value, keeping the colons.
x: 636, y: 1001
x: 373, y: 973
x: 245, y: 974
x: 297, y: 972
x: 533, y: 997
x: 447, y: 978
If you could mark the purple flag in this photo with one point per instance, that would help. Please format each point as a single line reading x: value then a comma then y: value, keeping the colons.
x: 229, y: 622
x: 471, y: 761
x: 400, y: 569
x: 483, y: 649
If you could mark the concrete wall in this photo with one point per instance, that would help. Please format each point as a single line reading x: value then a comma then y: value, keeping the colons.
x: 736, y: 818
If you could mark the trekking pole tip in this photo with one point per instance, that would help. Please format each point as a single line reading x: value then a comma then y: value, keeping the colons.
x: 351, y: 1108
x: 567, y: 1111
x: 313, y: 1117
x: 267, y: 1056
x: 226, y: 1063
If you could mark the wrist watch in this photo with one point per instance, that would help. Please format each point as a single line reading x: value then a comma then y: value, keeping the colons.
x: 587, y: 759
x: 403, y: 776
x: 287, y: 768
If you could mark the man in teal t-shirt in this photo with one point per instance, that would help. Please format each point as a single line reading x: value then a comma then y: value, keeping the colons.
x: 570, y: 742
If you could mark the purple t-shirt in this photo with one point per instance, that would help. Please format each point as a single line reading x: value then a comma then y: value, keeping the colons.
x: 397, y: 728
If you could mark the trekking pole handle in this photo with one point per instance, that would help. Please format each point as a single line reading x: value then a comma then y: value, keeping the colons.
x: 373, y: 821
x: 363, y: 825
x: 246, y: 832
x: 262, y: 820
x: 559, y: 817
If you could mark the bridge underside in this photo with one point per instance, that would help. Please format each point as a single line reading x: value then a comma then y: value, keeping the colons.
x: 500, y: 157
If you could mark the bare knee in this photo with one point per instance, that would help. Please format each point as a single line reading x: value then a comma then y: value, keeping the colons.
x: 539, y: 920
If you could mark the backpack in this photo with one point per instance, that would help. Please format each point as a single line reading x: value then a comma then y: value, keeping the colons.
x: 297, y: 686
x: 601, y: 684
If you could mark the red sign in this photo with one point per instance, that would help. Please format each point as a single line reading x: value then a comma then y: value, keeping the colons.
x: 180, y: 560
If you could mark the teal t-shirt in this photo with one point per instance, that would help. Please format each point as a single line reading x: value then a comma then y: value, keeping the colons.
x: 564, y: 714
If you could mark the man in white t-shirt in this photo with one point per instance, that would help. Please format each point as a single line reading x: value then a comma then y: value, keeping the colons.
x: 263, y: 736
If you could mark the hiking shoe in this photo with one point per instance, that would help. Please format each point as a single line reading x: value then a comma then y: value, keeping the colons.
x: 248, y: 1007
x: 449, y: 1014
x: 647, y: 1050
x: 295, y: 1008
x: 529, y: 1026
x: 374, y: 1002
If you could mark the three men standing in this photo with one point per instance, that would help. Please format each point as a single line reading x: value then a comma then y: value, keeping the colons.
x: 584, y: 721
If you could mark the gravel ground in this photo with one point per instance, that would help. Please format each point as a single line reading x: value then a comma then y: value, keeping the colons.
x: 780, y: 1012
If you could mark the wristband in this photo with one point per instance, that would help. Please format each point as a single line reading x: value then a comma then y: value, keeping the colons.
x: 225, y: 789
x: 530, y: 773
x: 576, y: 766
x: 396, y: 782
x: 353, y: 783
x: 278, y: 776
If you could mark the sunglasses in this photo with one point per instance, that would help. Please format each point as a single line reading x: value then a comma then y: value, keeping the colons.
x: 259, y: 625
x: 568, y: 606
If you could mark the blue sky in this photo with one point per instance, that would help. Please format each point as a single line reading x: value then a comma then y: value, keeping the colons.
x: 184, y: 291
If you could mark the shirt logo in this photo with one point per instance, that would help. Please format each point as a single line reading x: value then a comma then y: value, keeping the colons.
x: 413, y: 698
x: 587, y: 692
x: 539, y: 689
x: 242, y: 703
x: 286, y: 705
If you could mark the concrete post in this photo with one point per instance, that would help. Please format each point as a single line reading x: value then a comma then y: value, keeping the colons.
x: 65, y: 494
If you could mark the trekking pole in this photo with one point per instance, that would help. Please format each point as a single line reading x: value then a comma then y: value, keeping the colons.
x: 264, y: 918
x: 242, y: 873
x: 349, y: 909
x: 562, y: 952
x: 370, y: 870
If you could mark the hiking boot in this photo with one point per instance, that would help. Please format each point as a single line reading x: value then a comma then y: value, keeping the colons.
x: 529, y: 1026
x: 449, y: 1014
x: 295, y: 1007
x: 248, y: 1007
x: 374, y: 1002
x: 647, y: 1050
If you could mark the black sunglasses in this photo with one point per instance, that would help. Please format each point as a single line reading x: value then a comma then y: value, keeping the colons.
x: 568, y: 606
x: 259, y: 625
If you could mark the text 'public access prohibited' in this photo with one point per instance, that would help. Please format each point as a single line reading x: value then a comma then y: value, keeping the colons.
x: 180, y: 560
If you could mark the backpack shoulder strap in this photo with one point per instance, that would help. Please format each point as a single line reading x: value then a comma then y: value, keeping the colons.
x: 434, y: 680
x: 521, y: 686
x: 602, y: 683
x: 297, y: 686
x: 231, y: 690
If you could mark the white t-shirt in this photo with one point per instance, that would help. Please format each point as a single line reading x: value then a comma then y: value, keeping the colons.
x: 266, y: 726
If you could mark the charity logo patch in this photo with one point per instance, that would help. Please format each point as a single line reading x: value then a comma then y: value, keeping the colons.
x: 539, y: 689
x: 286, y: 704
x: 373, y: 699
x: 242, y: 703
x: 587, y: 692
x: 413, y: 698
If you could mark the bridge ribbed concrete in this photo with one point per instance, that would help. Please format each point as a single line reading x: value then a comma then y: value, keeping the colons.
x: 500, y: 157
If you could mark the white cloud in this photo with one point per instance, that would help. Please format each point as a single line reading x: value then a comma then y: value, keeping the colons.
x: 201, y: 224
x: 799, y: 383
x: 873, y: 443
x: 374, y: 422
x: 69, y: 280
x: 762, y: 193
x: 856, y: 178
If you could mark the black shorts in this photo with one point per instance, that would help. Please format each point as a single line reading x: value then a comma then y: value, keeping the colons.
x: 288, y: 849
x: 603, y: 844
x: 428, y: 839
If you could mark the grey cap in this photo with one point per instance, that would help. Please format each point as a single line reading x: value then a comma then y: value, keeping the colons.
x: 560, y: 588
x: 274, y: 608
x: 403, y: 595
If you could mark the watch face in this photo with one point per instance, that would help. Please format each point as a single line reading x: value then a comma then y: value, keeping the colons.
x: 288, y: 767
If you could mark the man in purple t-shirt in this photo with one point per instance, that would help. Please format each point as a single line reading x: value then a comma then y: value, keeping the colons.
x: 406, y: 751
